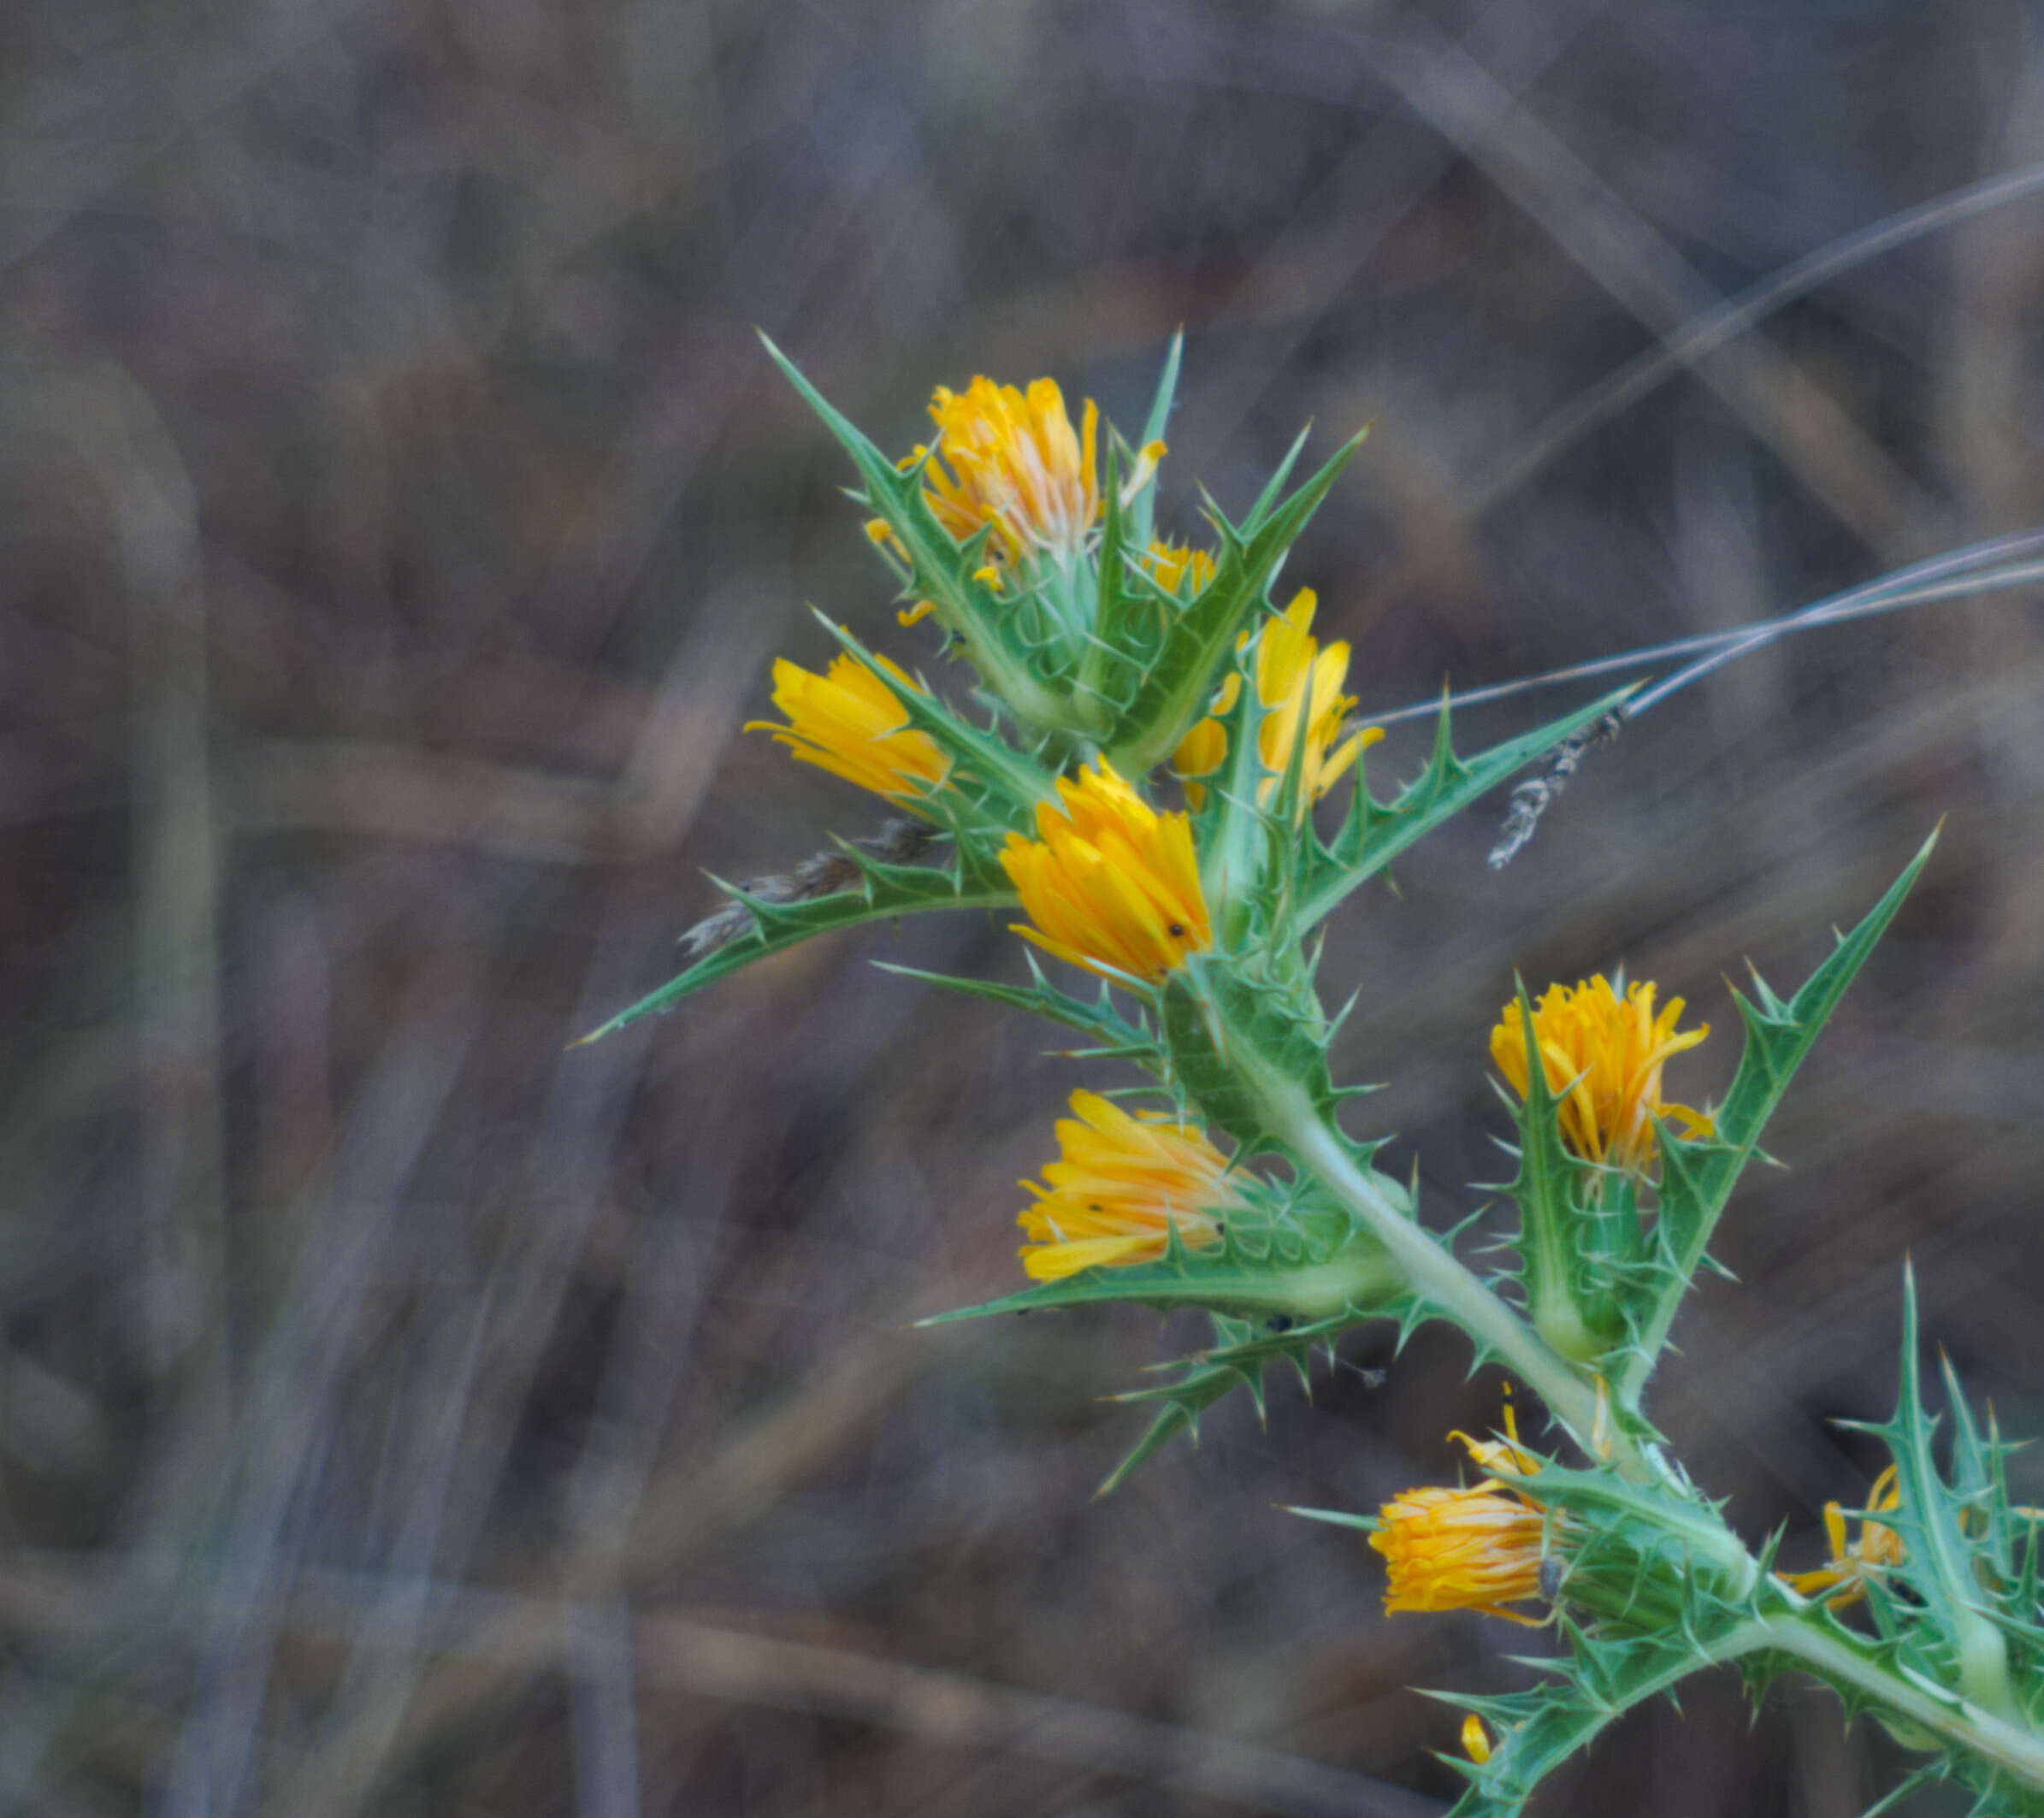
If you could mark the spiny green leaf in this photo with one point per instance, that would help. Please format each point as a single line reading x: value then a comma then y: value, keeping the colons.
x: 1142, y: 510
x: 1233, y: 837
x: 885, y: 892
x: 1937, y: 1561
x: 1697, y: 1177
x: 1337, y: 1518
x: 1245, y: 1347
x: 1017, y: 783
x: 1227, y: 1029
x: 1199, y: 640
x: 1536, y: 1731
x: 967, y: 608
x: 1253, y: 1273
x: 1648, y: 1520
x: 1917, y: 1782
x: 1180, y: 1416
x: 1375, y: 833
x: 1103, y: 669
x: 1098, y: 1019
x: 1278, y: 1339
x: 1256, y: 877
x: 1268, y: 499
x: 1553, y: 1188
x: 1237, y: 1362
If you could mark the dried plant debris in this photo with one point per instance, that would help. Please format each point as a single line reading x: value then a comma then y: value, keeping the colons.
x: 1531, y: 798
x: 899, y: 842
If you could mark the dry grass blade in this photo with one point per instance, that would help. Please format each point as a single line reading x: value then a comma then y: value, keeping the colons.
x: 1832, y: 455
x: 951, y: 1711
x: 1725, y: 321
x: 690, y: 1509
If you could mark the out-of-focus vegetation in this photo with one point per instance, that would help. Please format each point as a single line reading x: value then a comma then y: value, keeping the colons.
x: 401, y: 1414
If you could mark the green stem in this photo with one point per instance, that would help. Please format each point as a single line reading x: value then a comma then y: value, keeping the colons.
x: 2013, y: 1748
x: 1429, y: 1270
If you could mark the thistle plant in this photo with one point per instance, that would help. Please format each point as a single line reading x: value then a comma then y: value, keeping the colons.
x: 1110, y: 673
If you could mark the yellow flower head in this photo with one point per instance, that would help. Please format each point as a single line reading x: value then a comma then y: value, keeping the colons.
x: 1010, y: 459
x: 1171, y: 564
x: 1298, y: 686
x: 1111, y: 884
x: 1877, y: 1548
x: 849, y: 722
x: 1476, y: 1549
x: 1120, y: 1186
x: 1476, y: 1740
x: 1602, y: 1058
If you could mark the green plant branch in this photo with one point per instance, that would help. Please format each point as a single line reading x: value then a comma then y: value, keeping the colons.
x: 2013, y: 1748
x: 1430, y: 1271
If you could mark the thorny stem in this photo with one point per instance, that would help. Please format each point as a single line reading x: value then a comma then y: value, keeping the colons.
x: 1430, y: 1271
x: 2016, y: 1750
x: 1435, y: 1275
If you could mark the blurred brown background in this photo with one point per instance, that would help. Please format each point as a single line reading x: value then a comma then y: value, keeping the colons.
x: 403, y: 1415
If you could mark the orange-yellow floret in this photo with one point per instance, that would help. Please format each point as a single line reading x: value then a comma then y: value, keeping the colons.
x: 1120, y: 1185
x: 1172, y: 565
x: 1843, y: 1580
x: 1298, y: 687
x: 1603, y: 1056
x: 851, y: 722
x: 1110, y: 883
x: 1475, y: 1549
x: 1010, y: 460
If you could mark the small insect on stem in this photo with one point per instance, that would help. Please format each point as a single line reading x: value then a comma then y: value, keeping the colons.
x: 1531, y: 798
